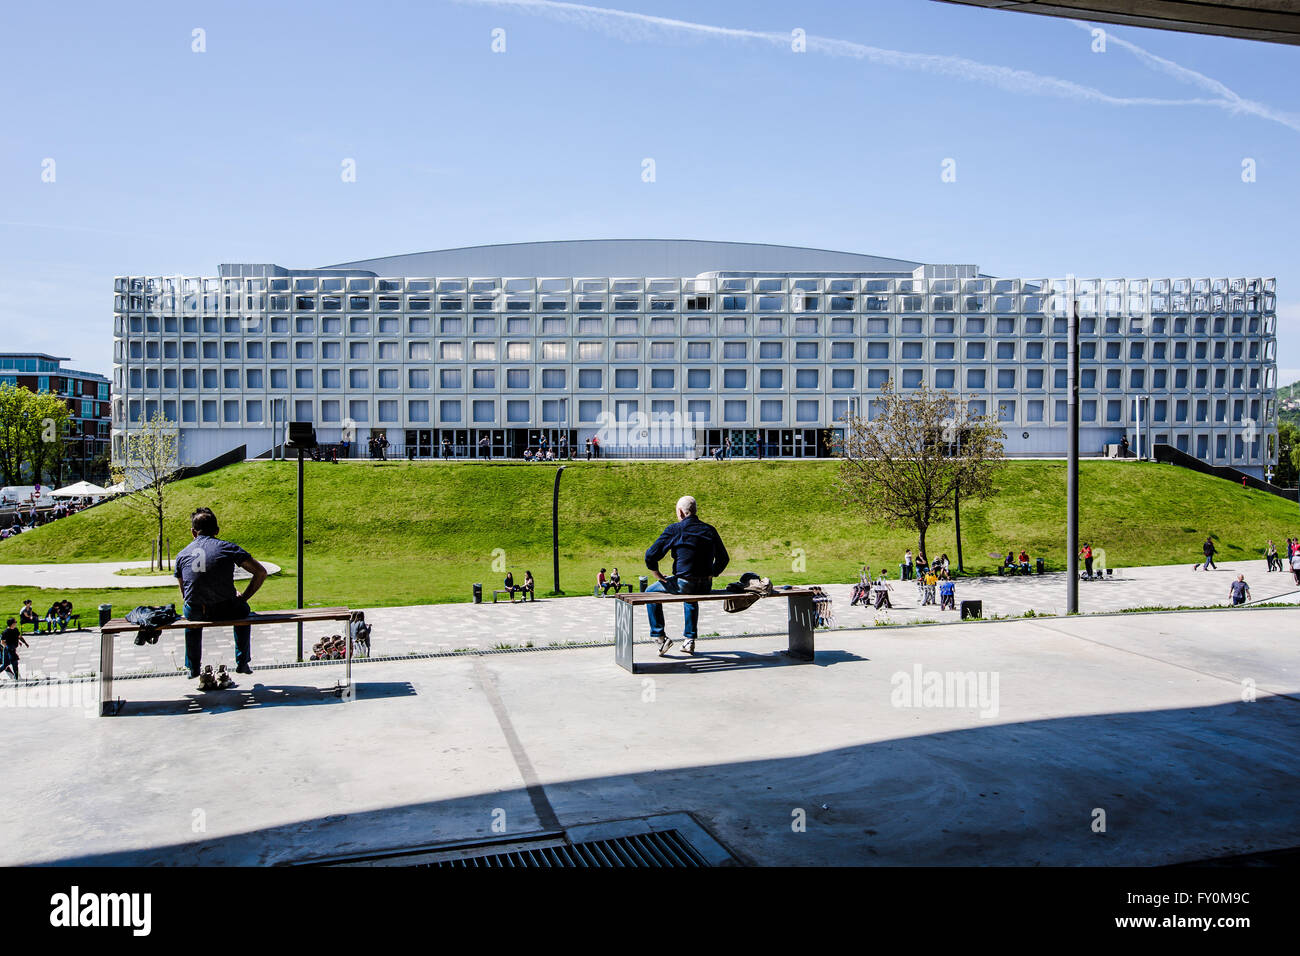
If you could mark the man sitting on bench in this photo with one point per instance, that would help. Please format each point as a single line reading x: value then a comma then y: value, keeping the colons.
x: 698, y: 557
x: 205, y: 572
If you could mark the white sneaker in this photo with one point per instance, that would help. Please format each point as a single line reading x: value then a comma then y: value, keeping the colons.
x: 688, y: 647
x: 664, y: 644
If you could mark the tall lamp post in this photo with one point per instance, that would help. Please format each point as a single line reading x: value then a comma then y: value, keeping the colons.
x: 555, y: 529
x: 1072, y: 467
x: 302, y: 438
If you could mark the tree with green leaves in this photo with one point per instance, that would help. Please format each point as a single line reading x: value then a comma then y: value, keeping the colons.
x: 1288, y: 455
x: 906, y: 463
x: 33, y: 431
x: 47, y: 437
x: 151, y: 457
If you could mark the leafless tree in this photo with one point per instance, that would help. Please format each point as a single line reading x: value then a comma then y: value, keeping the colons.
x: 150, y: 461
x: 906, y: 464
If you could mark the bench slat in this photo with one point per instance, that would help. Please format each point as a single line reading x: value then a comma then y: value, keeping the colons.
x: 120, y: 625
x: 663, y: 597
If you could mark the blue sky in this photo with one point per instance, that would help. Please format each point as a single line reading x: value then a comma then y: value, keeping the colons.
x: 169, y: 161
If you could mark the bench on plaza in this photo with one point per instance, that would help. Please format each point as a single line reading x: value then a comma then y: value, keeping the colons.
x: 523, y: 600
x: 108, y: 707
x: 801, y: 619
x: 74, y: 623
x: 616, y: 588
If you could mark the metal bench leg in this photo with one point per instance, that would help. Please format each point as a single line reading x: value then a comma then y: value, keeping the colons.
x: 624, y: 617
x: 802, y: 621
x: 106, y: 706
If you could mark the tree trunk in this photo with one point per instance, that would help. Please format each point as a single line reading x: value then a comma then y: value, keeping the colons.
x: 921, y: 529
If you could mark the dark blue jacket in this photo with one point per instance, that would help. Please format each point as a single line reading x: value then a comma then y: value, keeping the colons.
x: 697, y: 550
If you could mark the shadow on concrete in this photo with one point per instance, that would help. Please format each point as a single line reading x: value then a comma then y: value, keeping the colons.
x: 260, y: 696
x: 1176, y: 786
x: 710, y: 662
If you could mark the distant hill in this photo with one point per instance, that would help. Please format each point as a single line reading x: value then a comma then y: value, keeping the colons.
x: 1288, y: 403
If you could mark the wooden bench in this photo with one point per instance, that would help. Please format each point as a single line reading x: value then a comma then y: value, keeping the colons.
x: 108, y: 707
x: 520, y: 590
x: 801, y: 619
x: 599, y: 592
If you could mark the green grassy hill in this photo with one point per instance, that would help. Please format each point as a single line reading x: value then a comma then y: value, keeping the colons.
x: 400, y: 533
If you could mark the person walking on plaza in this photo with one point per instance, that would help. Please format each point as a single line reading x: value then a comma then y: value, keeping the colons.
x: 9, y: 642
x: 485, y: 448
x: 1239, y: 591
x: 699, y: 556
x: 1270, y: 555
x: 205, y: 573
x: 1207, y: 549
x: 1086, y: 553
x: 907, y: 565
x: 1295, y: 565
x: 564, y: 446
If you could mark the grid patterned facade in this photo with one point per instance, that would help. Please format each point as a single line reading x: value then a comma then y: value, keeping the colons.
x: 1188, y: 361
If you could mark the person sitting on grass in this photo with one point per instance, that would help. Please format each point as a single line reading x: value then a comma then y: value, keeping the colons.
x: 28, y: 615
x: 9, y: 642
x: 947, y: 595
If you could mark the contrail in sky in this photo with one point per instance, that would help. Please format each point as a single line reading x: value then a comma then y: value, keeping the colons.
x: 641, y: 27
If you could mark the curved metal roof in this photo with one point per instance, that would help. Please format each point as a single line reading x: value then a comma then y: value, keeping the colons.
x: 624, y: 257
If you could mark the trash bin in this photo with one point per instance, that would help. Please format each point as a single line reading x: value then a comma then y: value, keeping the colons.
x: 643, y: 581
x: 105, y: 614
x: 478, y: 594
x: 902, y: 576
x: 972, y: 609
x: 1041, y: 566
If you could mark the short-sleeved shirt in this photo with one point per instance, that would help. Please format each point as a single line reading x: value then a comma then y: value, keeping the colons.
x: 1238, y: 590
x: 206, y: 570
x: 946, y: 588
x: 10, y: 638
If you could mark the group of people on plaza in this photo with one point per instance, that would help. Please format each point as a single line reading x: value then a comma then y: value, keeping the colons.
x: 604, y: 582
x: 527, y: 590
x: 933, y: 580
x: 57, y: 617
x: 1292, y: 564
x: 19, y: 521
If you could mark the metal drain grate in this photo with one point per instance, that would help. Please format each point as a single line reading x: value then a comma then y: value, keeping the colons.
x: 667, y: 840
x: 662, y: 848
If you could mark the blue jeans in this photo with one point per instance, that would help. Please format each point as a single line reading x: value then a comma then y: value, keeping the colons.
x: 691, y: 609
x: 235, y: 607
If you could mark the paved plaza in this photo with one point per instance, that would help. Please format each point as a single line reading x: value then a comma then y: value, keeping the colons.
x: 1116, y: 740
x: 444, y: 628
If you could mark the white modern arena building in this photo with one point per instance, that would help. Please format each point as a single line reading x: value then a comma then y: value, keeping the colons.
x: 665, y: 347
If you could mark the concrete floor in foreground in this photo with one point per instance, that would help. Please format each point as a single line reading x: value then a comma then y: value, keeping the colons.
x: 1147, y: 719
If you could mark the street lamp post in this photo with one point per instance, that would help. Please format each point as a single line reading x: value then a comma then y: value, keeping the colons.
x: 1072, y: 467
x: 302, y: 436
x: 555, y: 530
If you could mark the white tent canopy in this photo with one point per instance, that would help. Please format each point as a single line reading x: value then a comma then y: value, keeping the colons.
x: 82, y: 489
